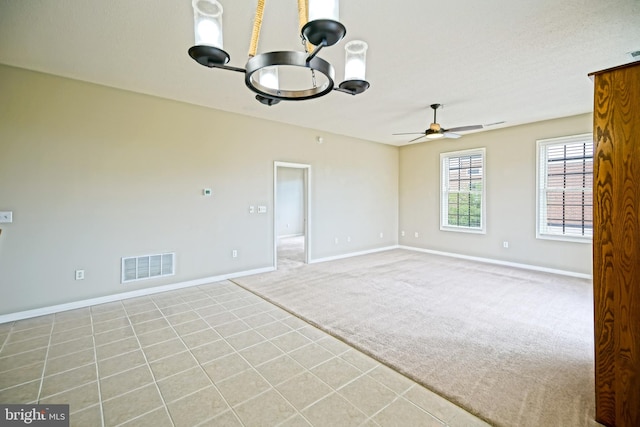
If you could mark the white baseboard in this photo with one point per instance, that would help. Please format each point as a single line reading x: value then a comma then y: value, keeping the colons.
x: 11, y: 317
x: 352, y: 254
x: 499, y: 262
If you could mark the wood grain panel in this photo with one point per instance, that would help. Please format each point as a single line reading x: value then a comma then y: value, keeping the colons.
x: 616, y: 246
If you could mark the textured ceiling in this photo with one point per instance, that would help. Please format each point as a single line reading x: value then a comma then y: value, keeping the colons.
x: 497, y: 60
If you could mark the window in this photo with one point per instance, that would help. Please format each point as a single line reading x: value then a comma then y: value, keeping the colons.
x: 565, y: 182
x: 462, y: 204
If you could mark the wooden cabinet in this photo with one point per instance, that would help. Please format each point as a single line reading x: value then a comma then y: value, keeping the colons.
x: 616, y: 245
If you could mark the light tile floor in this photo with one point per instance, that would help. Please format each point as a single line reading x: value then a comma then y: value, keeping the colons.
x: 213, y: 355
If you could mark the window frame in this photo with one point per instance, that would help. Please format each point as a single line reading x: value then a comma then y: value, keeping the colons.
x: 444, y: 191
x: 541, y: 186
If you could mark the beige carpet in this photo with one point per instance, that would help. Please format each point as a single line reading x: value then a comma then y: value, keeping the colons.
x: 514, y: 347
x: 290, y: 251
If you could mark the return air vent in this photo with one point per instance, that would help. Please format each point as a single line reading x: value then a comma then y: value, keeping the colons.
x: 635, y: 55
x: 147, y: 267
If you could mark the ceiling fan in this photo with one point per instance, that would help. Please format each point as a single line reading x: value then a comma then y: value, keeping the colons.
x: 436, y: 131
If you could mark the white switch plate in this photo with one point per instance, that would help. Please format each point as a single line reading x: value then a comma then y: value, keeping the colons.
x: 262, y: 209
x: 6, y: 217
x: 79, y: 274
x: 252, y: 209
x: 206, y: 191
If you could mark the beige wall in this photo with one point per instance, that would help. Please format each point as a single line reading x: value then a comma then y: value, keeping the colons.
x: 511, y: 197
x: 93, y: 174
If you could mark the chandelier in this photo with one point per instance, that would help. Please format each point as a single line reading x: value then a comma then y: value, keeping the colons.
x: 284, y: 75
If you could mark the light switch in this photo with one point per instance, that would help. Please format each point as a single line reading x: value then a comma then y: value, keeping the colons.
x: 252, y: 209
x: 6, y: 217
x: 262, y: 209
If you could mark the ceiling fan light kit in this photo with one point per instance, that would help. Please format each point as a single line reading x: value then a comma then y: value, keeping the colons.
x: 321, y: 29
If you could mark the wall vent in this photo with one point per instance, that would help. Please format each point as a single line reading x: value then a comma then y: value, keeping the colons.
x: 147, y: 267
x: 635, y: 54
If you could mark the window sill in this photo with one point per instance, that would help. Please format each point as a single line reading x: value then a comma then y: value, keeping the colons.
x: 463, y: 229
x: 569, y: 239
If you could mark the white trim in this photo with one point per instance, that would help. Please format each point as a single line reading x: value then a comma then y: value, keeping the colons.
x: 498, y: 262
x: 307, y: 208
x: 352, y: 254
x: 444, y: 190
x: 541, y: 160
x: 20, y: 315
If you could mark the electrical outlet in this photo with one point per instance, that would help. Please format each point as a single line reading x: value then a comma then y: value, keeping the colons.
x: 402, y: 233
x: 381, y: 235
x: 234, y: 253
x: 505, y: 244
x: 79, y: 274
x: 348, y: 239
x: 252, y: 209
x: 416, y: 234
x: 335, y: 240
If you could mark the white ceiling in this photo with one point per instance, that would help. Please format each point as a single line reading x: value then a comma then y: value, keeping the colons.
x: 513, y: 60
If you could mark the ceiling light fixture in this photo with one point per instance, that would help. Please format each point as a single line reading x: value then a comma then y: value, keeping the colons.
x: 307, y: 76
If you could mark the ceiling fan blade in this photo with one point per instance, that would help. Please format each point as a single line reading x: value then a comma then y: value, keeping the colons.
x: 452, y: 135
x: 464, y: 128
x: 415, y: 139
x: 409, y: 133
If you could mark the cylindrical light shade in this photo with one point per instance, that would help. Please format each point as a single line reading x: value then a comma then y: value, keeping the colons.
x: 207, y: 21
x: 268, y: 77
x: 355, y: 60
x: 324, y: 9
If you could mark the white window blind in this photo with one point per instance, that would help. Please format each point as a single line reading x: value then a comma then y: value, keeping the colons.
x: 462, y: 203
x: 564, y: 188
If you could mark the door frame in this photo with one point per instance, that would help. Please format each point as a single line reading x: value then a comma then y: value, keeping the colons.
x: 306, y: 207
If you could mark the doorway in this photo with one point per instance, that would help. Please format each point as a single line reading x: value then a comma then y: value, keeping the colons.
x: 291, y: 214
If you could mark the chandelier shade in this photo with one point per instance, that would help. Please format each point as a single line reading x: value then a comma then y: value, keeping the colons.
x: 208, y: 23
x: 355, y: 64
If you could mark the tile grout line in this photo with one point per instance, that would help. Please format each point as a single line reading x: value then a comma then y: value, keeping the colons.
x: 95, y: 355
x: 417, y: 385
x: 155, y: 382
x: 6, y: 339
x: 46, y: 362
